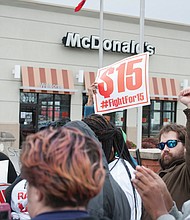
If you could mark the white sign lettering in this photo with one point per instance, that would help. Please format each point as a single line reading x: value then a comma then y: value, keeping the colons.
x: 92, y: 42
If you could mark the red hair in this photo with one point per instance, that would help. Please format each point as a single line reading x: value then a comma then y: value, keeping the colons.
x: 64, y: 164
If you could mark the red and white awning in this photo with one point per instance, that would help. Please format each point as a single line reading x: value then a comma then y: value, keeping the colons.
x: 45, y: 80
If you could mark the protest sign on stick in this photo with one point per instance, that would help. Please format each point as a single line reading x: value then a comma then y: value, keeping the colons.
x: 123, y: 85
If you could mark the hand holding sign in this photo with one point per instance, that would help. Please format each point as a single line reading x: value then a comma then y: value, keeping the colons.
x: 123, y: 85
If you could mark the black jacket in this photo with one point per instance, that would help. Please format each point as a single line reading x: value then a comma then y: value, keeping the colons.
x: 9, y: 189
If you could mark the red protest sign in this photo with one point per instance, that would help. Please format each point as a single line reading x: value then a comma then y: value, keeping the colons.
x: 123, y: 85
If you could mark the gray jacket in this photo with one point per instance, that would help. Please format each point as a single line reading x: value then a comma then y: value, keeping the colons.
x: 111, y: 202
x: 174, y: 214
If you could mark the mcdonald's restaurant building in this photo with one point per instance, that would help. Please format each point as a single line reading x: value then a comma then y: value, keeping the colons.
x: 49, y: 56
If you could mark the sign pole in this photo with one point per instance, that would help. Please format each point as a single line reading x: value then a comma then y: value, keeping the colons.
x: 139, y: 109
x: 101, y: 35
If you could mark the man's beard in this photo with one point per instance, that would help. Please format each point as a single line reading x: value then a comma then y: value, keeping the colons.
x: 167, y: 159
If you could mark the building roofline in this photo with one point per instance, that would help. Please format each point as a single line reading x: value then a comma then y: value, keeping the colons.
x: 36, y: 4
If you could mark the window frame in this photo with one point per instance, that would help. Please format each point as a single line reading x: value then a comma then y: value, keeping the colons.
x: 149, y: 112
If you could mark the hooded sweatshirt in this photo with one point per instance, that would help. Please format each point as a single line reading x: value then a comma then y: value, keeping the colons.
x: 111, y: 202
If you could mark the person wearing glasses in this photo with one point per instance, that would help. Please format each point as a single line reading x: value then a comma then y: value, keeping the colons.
x: 174, y: 143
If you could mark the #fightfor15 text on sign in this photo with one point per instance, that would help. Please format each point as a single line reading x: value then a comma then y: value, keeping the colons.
x: 123, y: 85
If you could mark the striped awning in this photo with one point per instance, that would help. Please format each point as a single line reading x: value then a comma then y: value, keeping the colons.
x: 160, y: 88
x: 164, y: 88
x: 89, y: 78
x: 45, y: 80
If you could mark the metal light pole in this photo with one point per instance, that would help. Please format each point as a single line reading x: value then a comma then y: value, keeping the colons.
x: 139, y: 109
x: 101, y: 34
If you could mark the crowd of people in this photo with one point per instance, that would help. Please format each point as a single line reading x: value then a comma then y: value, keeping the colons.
x: 83, y: 170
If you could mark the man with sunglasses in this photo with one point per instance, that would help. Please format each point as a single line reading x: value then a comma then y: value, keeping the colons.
x: 174, y: 143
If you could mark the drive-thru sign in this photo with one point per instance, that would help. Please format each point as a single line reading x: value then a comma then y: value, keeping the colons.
x: 123, y: 85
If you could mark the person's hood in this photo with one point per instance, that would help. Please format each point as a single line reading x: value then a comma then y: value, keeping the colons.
x: 82, y: 126
x: 171, y: 167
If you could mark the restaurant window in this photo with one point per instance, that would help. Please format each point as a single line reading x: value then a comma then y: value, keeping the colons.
x: 39, y: 109
x: 157, y: 114
x: 52, y: 108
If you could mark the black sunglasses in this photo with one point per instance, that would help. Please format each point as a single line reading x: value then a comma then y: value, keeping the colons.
x: 169, y: 143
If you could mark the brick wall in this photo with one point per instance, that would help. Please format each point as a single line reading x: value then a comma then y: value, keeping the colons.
x: 149, y: 158
x: 151, y: 164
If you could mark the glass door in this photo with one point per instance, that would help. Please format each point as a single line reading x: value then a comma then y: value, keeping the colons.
x: 28, y: 115
x: 27, y: 121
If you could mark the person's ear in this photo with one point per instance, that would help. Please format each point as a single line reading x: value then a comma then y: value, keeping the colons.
x: 38, y: 195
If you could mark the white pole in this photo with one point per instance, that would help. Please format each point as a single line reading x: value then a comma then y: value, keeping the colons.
x: 142, y: 15
x: 139, y: 109
x: 101, y: 35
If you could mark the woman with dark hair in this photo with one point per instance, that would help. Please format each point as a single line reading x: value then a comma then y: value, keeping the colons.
x: 119, y: 159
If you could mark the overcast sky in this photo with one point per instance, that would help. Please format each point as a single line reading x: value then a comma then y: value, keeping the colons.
x: 169, y: 10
